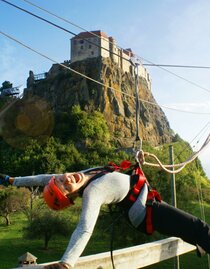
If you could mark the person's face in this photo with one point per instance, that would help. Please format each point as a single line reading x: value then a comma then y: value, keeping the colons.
x: 70, y: 183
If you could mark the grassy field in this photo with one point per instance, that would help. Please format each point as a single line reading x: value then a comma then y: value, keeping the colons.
x: 12, y: 245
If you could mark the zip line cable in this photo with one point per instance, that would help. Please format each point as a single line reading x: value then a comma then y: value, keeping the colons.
x: 98, y: 82
x: 150, y: 64
x: 205, y: 127
x: 55, y: 62
x: 177, y: 65
x: 91, y: 79
x: 164, y: 167
x: 61, y: 18
x: 93, y: 34
x: 201, y: 131
x: 38, y: 17
x: 180, y: 77
x: 64, y: 29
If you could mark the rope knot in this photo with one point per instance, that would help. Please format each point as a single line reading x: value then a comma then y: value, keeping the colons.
x: 140, y: 157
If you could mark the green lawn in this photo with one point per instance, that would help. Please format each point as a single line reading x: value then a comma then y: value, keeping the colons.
x: 12, y: 245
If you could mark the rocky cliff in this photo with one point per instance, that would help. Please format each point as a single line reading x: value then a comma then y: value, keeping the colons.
x: 62, y: 89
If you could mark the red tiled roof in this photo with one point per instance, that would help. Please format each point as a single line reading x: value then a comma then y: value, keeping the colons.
x: 90, y: 34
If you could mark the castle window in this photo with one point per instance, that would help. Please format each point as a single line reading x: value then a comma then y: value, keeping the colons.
x: 81, y: 41
x: 92, y: 52
x: 90, y: 46
x: 81, y: 47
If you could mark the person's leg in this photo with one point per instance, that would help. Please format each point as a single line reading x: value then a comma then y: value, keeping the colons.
x: 171, y: 221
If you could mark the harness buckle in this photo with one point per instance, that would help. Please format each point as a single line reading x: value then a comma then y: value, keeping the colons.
x: 150, y: 202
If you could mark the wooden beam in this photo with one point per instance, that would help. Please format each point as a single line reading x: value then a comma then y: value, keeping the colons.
x: 133, y: 257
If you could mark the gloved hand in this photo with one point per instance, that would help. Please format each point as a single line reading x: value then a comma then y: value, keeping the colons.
x: 59, y: 265
x: 4, y: 180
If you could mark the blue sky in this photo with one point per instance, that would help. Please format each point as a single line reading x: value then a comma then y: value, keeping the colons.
x: 162, y: 32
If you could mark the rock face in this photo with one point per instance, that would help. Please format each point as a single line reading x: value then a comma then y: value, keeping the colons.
x: 62, y: 89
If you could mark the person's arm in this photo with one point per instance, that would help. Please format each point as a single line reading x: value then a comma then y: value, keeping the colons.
x: 90, y: 210
x: 110, y: 188
x: 57, y: 265
x: 27, y: 181
x: 36, y: 180
x: 92, y: 202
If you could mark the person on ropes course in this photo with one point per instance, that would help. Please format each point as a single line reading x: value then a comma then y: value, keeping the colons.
x: 124, y: 185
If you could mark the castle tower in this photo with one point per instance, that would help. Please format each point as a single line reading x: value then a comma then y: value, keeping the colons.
x: 89, y: 45
x: 98, y: 44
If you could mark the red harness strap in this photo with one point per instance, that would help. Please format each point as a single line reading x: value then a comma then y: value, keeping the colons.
x: 152, y: 196
x: 138, y: 186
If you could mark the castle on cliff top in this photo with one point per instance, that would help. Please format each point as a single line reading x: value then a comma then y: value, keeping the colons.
x: 98, y: 44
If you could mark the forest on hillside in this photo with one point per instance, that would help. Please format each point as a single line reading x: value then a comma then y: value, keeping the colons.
x: 80, y: 139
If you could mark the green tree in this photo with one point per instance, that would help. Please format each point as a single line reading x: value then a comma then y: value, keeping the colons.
x: 6, y: 85
x: 89, y: 127
x: 46, y: 225
x: 12, y: 200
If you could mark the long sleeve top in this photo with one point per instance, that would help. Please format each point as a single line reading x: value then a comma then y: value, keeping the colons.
x: 110, y: 188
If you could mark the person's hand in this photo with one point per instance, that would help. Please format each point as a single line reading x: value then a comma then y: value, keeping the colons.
x: 4, y: 180
x: 59, y: 265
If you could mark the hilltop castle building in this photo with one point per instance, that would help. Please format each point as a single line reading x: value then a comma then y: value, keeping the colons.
x: 98, y: 44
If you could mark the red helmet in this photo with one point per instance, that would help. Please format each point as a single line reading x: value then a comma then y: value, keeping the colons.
x: 54, y: 198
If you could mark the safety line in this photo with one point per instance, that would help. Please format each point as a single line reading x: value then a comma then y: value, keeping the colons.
x: 64, y: 29
x: 177, y: 65
x: 142, y: 155
x: 98, y: 82
x: 139, y: 58
x: 186, y: 147
x: 93, y: 34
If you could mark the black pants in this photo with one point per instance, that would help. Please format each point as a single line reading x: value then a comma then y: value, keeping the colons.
x: 171, y: 221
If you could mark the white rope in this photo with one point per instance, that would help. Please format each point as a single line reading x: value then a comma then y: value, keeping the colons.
x: 142, y: 155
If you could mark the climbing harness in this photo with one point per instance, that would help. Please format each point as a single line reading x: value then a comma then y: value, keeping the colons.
x: 138, y: 180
